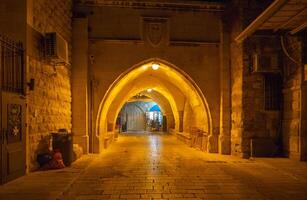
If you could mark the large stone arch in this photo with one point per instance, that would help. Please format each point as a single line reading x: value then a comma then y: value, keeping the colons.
x: 170, y: 81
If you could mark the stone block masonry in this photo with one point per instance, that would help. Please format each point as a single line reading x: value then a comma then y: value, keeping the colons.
x: 49, y: 105
x: 248, y: 117
x: 292, y: 99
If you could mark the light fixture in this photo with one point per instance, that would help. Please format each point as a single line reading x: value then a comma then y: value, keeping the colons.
x: 149, y: 90
x: 155, y: 66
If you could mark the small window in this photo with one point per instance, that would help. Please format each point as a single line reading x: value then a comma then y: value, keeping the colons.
x: 272, y: 91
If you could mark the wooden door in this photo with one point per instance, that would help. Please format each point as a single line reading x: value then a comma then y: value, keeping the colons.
x: 12, y: 104
x: 13, y: 136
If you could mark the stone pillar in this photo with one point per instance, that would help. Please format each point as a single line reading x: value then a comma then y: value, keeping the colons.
x: 80, y: 83
x: 304, y: 102
x: 180, y: 113
x: 164, y: 123
x: 213, y: 142
x: 303, y: 138
x: 236, y: 73
x: 225, y: 101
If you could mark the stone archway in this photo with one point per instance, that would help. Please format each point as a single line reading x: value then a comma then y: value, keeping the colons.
x: 187, y: 102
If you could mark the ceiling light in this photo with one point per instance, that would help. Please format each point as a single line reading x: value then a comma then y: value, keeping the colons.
x: 149, y: 90
x: 155, y: 66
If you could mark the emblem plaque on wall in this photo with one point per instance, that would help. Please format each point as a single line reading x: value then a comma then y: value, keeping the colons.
x: 155, y: 31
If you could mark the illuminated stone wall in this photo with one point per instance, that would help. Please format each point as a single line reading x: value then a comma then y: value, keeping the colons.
x: 116, y: 44
x: 236, y: 53
x: 49, y: 105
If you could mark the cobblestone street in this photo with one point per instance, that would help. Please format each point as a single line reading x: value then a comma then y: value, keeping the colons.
x: 156, y: 166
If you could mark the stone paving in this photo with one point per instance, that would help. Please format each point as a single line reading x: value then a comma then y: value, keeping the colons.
x: 157, y: 166
x: 44, y: 185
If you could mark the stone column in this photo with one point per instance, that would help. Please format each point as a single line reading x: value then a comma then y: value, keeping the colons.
x: 303, y: 138
x: 236, y: 73
x: 180, y: 113
x: 164, y: 123
x: 304, y: 103
x: 225, y: 101
x: 80, y: 83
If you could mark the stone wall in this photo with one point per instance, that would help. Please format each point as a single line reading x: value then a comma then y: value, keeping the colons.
x: 236, y: 52
x: 304, y: 99
x: 12, y: 19
x: 292, y: 98
x: 262, y: 117
x: 49, y: 104
x: 248, y: 118
x: 193, y: 46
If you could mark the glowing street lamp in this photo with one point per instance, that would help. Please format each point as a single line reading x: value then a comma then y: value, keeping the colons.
x: 155, y: 66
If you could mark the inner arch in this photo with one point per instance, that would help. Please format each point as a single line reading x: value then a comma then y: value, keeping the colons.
x: 187, y: 102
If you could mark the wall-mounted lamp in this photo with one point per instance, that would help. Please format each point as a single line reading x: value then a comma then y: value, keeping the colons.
x: 155, y: 66
x: 92, y: 59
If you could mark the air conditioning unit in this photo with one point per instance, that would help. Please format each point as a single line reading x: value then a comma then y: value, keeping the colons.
x: 267, y: 63
x: 56, y: 48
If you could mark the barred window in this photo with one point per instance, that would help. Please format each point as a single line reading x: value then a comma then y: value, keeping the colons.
x: 11, y: 65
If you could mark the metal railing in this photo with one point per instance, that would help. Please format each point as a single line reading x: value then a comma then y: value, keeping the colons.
x: 11, y: 65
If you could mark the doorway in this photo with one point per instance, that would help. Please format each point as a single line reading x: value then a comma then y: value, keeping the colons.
x: 140, y: 114
x: 12, y: 136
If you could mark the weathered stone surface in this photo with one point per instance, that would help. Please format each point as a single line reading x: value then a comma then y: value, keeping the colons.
x: 160, y: 167
x: 80, y: 80
x: 291, y: 128
x: 250, y: 119
x: 236, y: 89
x: 49, y: 105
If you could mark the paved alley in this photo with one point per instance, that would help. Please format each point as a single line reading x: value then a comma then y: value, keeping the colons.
x: 157, y: 166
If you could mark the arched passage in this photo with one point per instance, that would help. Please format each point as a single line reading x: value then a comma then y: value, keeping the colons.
x: 146, y: 100
x: 171, y: 85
